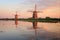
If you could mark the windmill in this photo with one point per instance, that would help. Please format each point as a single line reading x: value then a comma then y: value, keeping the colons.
x: 16, y: 19
x: 35, y: 12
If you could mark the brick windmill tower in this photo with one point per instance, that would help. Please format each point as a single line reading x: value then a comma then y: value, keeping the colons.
x: 35, y: 13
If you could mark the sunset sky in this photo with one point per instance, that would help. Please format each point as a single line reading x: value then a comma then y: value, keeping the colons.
x: 49, y: 8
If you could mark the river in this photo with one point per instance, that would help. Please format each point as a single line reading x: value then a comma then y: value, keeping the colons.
x: 26, y: 31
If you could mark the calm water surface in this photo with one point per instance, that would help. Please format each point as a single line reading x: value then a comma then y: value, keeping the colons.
x: 25, y: 31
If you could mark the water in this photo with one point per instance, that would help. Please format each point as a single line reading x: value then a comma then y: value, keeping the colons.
x: 26, y: 31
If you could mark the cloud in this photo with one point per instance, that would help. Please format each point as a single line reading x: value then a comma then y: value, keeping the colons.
x: 48, y: 3
x: 42, y: 4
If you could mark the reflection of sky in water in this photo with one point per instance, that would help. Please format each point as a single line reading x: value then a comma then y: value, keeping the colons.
x: 46, y: 31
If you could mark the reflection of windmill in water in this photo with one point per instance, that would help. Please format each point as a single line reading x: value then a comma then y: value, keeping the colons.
x: 35, y: 12
x: 35, y: 29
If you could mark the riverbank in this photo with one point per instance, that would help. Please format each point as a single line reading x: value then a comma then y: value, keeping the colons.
x: 36, y: 20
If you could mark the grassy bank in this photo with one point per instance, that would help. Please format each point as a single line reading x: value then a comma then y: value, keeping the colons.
x: 36, y: 20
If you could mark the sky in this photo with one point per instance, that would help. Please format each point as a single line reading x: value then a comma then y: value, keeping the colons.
x: 50, y: 8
